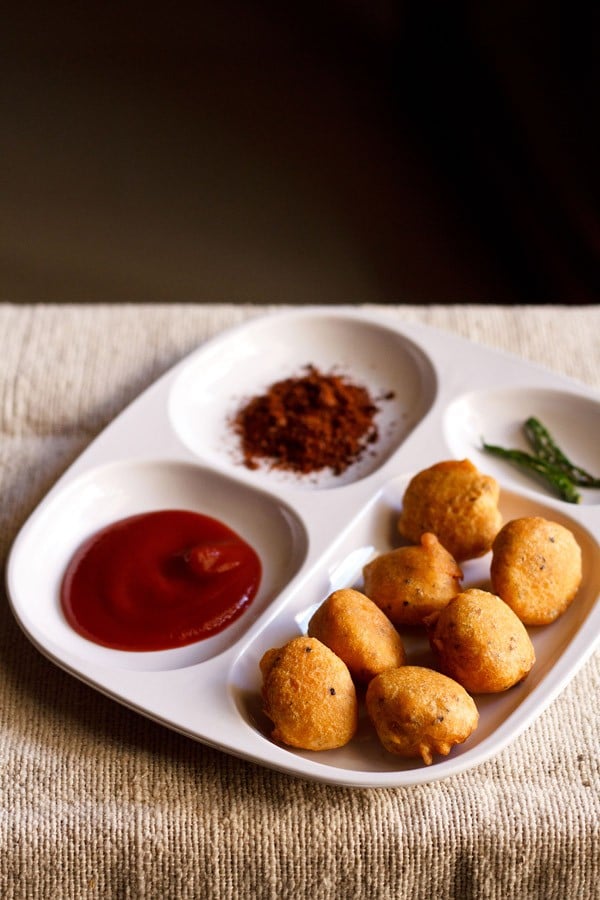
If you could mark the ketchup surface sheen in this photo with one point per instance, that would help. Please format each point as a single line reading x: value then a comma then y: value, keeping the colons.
x: 159, y: 580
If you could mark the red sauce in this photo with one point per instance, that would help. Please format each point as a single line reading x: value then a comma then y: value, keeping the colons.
x: 159, y: 580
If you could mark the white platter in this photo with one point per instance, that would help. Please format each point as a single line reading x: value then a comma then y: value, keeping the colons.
x: 173, y: 447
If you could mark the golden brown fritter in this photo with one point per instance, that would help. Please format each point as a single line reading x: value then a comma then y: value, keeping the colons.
x: 359, y: 633
x: 309, y: 695
x: 410, y: 583
x: 479, y: 641
x: 419, y: 712
x: 456, y: 502
x: 536, y: 568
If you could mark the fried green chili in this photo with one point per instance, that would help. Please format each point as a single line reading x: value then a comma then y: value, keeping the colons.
x: 545, y: 448
x: 555, y: 477
x: 547, y: 461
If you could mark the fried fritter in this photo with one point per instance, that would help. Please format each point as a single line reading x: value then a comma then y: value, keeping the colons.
x: 356, y: 630
x: 410, y: 583
x: 479, y: 641
x: 418, y: 712
x: 536, y: 568
x: 309, y: 695
x: 456, y: 502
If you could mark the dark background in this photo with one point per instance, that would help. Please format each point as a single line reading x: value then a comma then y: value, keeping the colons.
x: 321, y: 152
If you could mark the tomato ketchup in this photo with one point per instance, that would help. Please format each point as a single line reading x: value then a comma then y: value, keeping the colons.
x: 159, y: 580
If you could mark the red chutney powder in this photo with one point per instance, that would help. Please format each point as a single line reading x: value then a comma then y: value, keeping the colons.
x: 307, y: 423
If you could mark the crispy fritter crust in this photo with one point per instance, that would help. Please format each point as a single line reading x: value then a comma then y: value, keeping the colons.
x: 418, y: 712
x: 456, y: 502
x: 479, y: 641
x: 410, y: 583
x: 351, y: 625
x: 536, y: 568
x: 309, y: 695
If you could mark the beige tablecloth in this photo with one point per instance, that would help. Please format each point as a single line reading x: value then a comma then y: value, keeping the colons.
x: 98, y: 802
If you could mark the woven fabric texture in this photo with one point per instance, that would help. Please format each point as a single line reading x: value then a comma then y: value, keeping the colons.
x: 99, y: 802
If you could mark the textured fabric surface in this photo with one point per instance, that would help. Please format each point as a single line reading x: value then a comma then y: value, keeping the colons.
x: 98, y: 802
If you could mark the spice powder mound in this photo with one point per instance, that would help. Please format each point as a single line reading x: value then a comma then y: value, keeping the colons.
x: 308, y: 423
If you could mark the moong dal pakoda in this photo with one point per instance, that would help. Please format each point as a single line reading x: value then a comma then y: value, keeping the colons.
x: 417, y: 712
x: 479, y: 641
x: 359, y: 633
x: 410, y: 583
x: 456, y: 502
x: 536, y: 568
x: 309, y: 695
